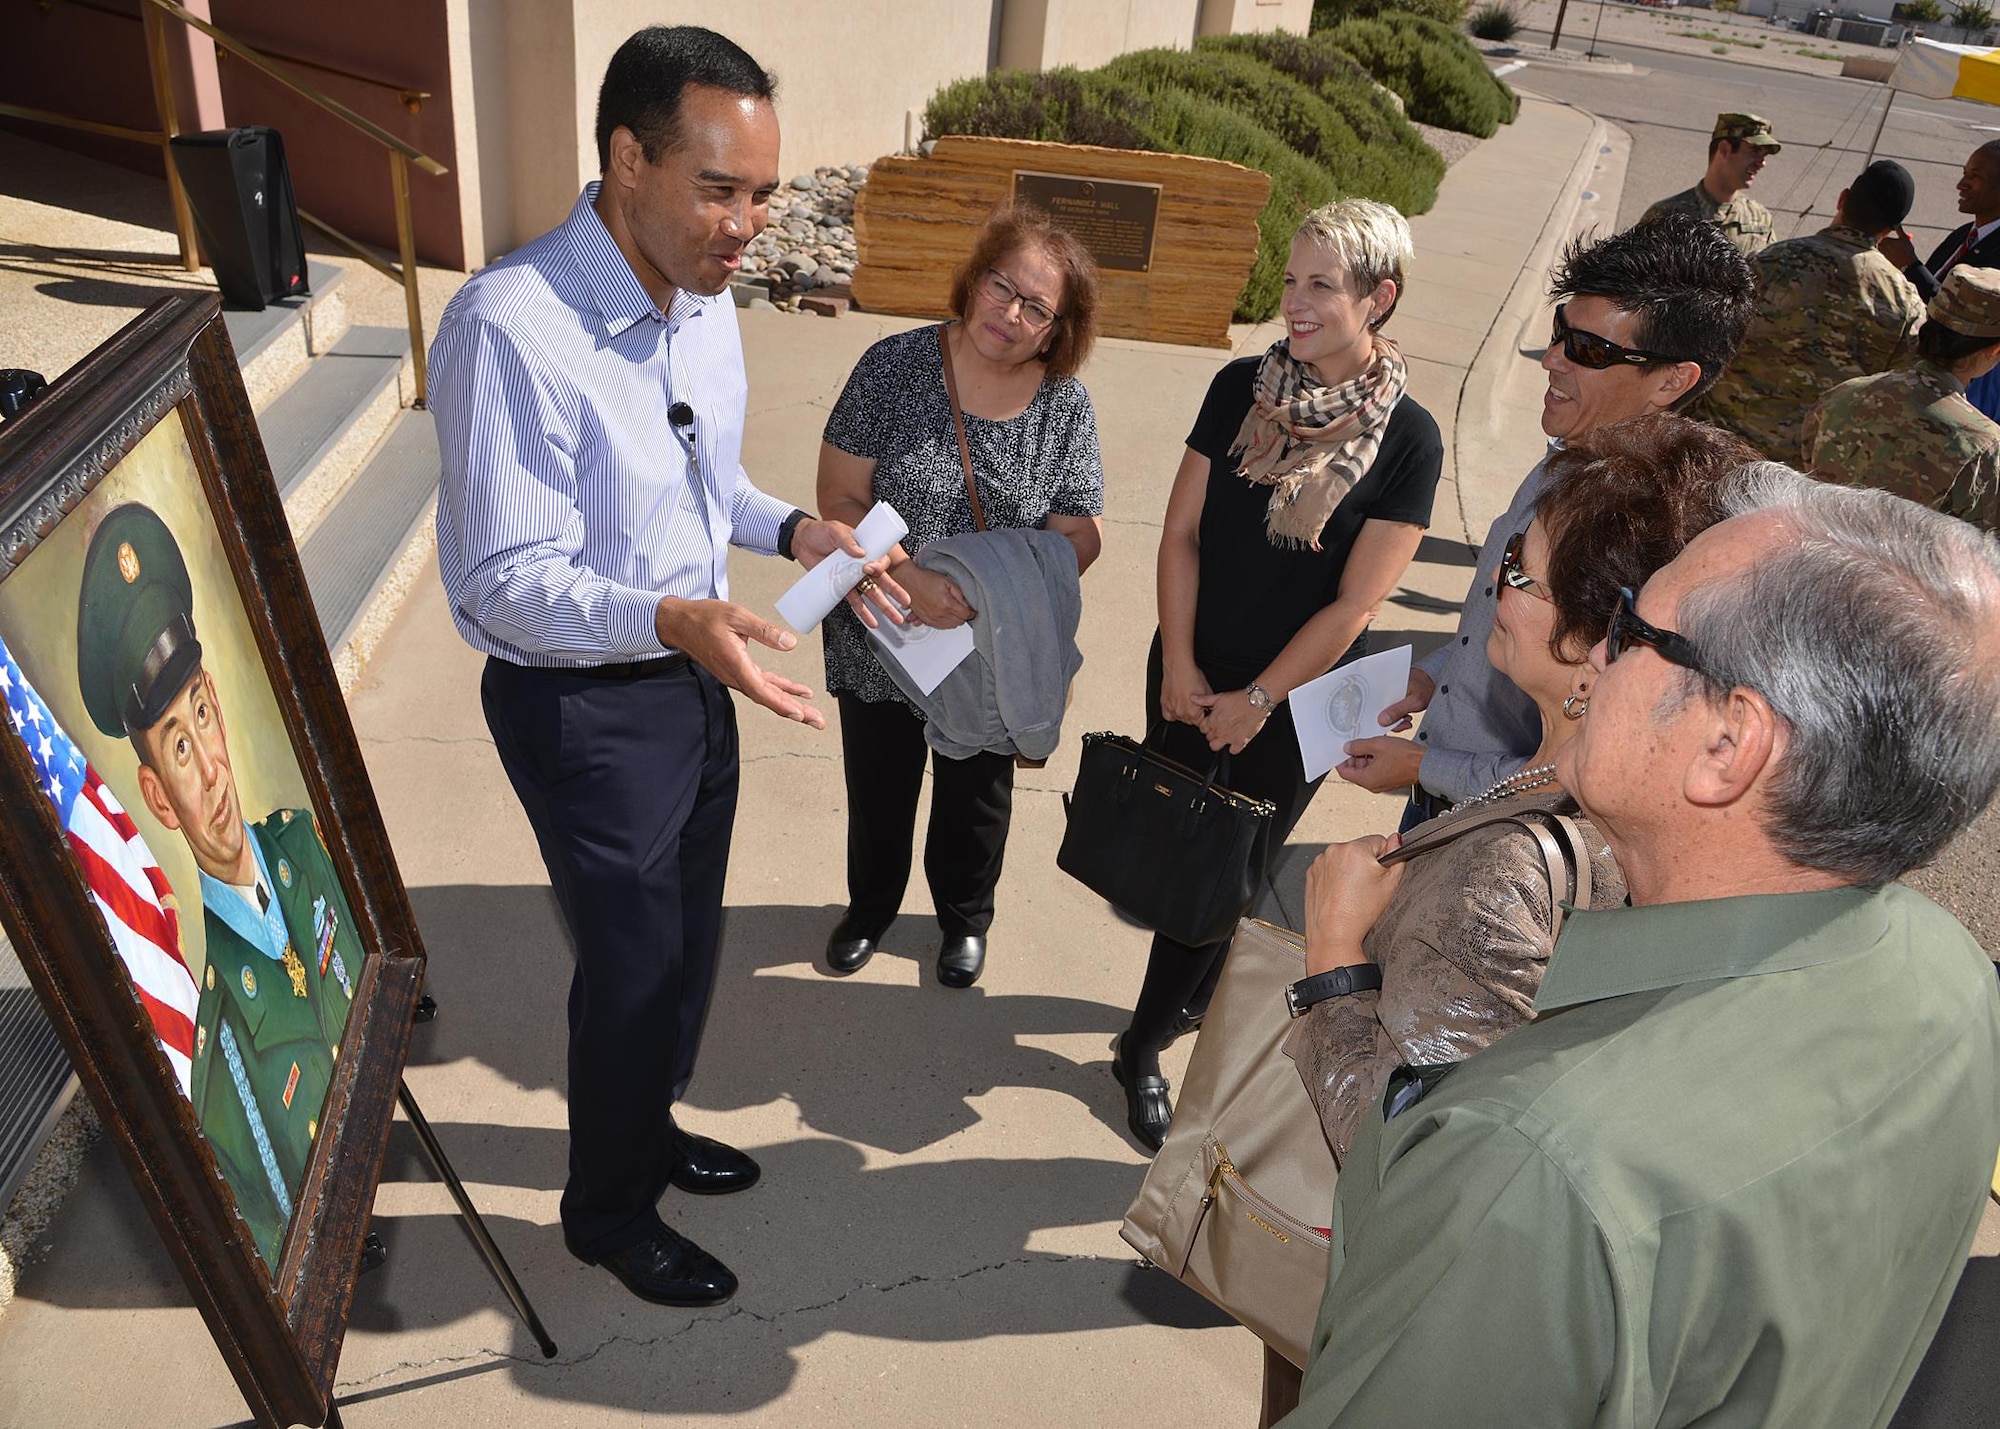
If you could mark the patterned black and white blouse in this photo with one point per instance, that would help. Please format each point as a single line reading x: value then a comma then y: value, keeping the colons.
x: 1044, y: 461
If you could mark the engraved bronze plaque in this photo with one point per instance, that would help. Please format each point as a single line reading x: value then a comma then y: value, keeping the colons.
x: 1114, y: 221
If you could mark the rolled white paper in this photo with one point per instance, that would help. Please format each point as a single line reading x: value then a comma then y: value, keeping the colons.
x: 826, y: 585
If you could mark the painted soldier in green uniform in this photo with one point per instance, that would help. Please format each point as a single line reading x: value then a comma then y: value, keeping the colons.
x: 1911, y: 431
x: 1737, y: 150
x: 283, y: 959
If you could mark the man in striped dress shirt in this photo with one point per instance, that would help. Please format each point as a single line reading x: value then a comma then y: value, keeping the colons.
x: 589, y: 393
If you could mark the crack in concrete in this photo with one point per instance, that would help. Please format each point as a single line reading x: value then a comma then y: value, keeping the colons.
x: 429, y: 739
x: 700, y: 1321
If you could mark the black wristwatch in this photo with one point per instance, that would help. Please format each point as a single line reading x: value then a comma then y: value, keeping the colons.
x: 788, y: 530
x: 1341, y: 982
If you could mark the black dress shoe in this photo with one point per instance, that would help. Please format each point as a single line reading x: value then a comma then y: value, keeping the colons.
x: 961, y: 960
x: 704, y: 1166
x: 849, y: 949
x: 669, y: 1269
x: 1148, y: 1110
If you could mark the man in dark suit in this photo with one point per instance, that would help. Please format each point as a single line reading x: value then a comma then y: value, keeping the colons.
x: 1976, y: 243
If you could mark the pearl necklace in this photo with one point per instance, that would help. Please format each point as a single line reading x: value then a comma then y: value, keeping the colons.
x: 1519, y: 782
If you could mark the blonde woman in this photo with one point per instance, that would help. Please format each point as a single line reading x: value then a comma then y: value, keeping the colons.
x: 1304, y: 490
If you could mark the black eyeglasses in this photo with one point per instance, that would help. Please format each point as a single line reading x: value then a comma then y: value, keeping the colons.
x: 1511, y: 574
x: 1628, y: 625
x: 1002, y: 290
x: 1587, y: 349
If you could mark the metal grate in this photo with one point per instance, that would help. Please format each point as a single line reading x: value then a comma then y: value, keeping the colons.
x: 36, y: 1082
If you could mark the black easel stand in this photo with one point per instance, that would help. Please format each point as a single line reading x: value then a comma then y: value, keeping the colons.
x: 495, y: 1261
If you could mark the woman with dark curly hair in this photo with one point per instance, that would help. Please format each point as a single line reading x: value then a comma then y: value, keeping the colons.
x: 1026, y: 301
x: 1461, y: 935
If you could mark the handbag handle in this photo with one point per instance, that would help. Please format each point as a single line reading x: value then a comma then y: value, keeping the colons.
x: 958, y: 425
x: 1557, y: 836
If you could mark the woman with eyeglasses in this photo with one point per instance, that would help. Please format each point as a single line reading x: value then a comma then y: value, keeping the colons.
x: 1026, y: 305
x: 1444, y: 953
x: 1300, y: 499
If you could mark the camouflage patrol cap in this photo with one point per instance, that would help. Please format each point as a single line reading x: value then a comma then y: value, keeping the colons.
x: 135, y: 641
x: 1747, y: 129
x: 1968, y: 302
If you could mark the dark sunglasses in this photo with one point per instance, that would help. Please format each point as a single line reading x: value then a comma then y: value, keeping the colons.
x: 1511, y: 574
x: 1627, y: 625
x: 1587, y: 349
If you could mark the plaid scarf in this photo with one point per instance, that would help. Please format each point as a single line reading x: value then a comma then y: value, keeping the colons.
x: 1311, y: 444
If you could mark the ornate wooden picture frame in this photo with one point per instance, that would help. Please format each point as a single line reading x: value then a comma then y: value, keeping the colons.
x: 193, y: 868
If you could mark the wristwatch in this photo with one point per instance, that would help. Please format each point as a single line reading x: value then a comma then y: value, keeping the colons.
x: 1259, y: 700
x: 788, y: 530
x: 1323, y: 987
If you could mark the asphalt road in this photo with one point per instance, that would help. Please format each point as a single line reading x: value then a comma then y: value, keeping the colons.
x: 1825, y: 122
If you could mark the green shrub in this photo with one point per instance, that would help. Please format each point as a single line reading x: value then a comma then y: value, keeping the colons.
x: 1441, y: 77
x: 1499, y: 22
x: 1348, y: 127
x: 1328, y: 13
x: 1068, y: 107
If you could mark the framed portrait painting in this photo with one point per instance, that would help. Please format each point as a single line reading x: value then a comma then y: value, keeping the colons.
x: 192, y: 865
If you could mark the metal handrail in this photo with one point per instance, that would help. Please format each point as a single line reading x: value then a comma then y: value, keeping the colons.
x: 402, y: 155
x: 410, y: 97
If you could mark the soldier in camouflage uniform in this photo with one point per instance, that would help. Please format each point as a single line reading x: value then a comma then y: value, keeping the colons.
x: 1911, y: 431
x: 283, y: 958
x: 1830, y: 308
x: 1736, y: 151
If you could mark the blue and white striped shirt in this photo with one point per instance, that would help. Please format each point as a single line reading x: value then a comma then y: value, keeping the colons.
x: 569, y: 503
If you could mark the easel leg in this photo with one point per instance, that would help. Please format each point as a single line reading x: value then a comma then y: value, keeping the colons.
x: 332, y: 1415
x: 495, y: 1261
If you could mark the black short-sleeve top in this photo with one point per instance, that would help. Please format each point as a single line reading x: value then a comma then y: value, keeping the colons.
x: 1254, y: 595
x: 894, y: 408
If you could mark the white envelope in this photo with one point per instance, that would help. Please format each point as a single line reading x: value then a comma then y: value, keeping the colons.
x: 1342, y: 705
x: 925, y: 652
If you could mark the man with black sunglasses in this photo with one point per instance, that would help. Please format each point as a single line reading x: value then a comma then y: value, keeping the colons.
x: 1731, y: 1171
x: 1644, y: 322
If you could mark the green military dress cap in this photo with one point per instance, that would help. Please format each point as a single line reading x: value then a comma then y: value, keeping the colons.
x: 135, y: 641
x: 1968, y: 302
x: 1748, y: 129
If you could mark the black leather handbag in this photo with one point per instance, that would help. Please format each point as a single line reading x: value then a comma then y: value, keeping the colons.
x: 1169, y: 847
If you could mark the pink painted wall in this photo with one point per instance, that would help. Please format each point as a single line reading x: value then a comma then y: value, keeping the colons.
x: 93, y: 65
x: 338, y: 174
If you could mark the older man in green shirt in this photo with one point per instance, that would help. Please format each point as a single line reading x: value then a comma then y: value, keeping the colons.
x: 1730, y: 1173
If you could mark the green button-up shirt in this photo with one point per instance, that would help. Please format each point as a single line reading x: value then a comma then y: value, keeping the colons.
x: 1729, y: 1175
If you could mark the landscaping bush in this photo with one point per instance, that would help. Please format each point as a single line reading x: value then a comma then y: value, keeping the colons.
x: 1348, y: 127
x: 1440, y: 76
x: 1068, y: 107
x: 1328, y: 13
x: 1499, y: 22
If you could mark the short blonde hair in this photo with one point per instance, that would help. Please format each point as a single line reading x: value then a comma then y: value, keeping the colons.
x: 1370, y: 240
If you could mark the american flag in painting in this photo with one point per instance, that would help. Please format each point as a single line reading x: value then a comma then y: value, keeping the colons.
x: 125, y: 881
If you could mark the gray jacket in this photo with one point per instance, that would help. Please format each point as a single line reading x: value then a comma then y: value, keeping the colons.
x: 1008, y: 695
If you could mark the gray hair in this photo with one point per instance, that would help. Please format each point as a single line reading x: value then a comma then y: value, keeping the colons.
x: 1874, y: 633
x: 1370, y: 240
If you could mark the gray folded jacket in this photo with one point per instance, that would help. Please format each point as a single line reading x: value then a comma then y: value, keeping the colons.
x: 1008, y: 695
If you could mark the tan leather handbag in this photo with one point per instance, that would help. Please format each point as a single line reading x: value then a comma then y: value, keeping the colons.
x: 1236, y: 1203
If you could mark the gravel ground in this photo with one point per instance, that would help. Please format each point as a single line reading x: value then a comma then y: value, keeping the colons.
x: 1450, y: 144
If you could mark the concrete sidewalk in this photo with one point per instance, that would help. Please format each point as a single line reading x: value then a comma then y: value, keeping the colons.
x: 935, y: 1241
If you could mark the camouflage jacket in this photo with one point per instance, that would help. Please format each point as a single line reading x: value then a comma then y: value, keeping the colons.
x: 1829, y: 307
x: 1743, y: 220
x: 1912, y: 432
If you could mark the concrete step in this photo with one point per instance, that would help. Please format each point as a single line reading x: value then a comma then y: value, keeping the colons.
x: 274, y: 345
x: 351, y: 553
x: 321, y: 428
